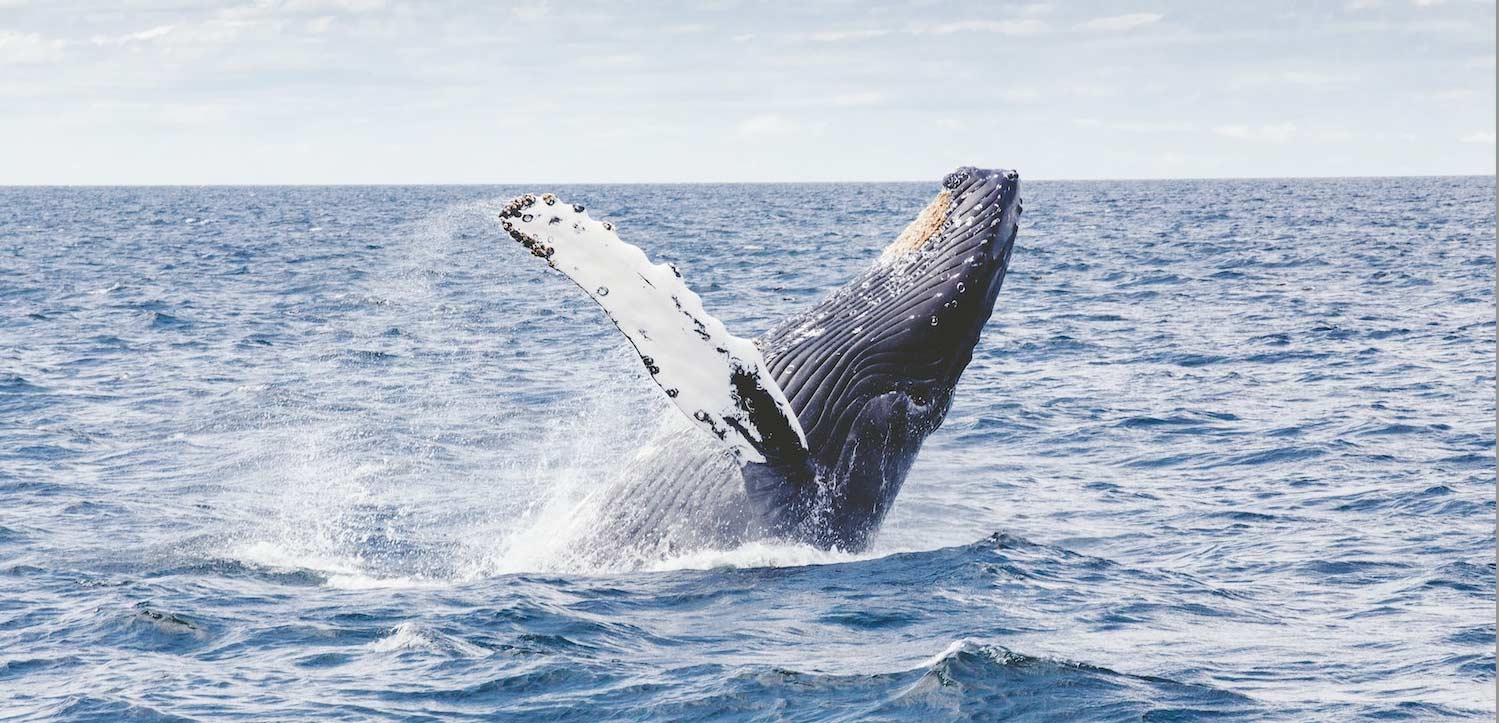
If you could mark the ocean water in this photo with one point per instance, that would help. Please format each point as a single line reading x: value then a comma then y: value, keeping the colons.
x: 1226, y: 452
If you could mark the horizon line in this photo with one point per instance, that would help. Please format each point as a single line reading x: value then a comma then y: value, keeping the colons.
x: 387, y: 184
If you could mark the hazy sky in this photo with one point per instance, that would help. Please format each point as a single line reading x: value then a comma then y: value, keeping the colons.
x: 400, y: 91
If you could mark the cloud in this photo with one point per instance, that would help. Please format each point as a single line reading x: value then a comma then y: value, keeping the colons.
x: 128, y: 38
x: 611, y: 59
x: 836, y: 36
x: 1454, y: 94
x: 764, y: 126
x: 1137, y: 126
x: 193, y: 114
x: 1003, y: 27
x: 1273, y: 133
x: 867, y: 97
x: 1094, y: 91
x: 1335, y: 135
x: 346, y: 6
x: 1120, y: 23
x: 28, y: 49
x: 1354, y: 6
x: 1480, y: 137
x: 529, y: 13
x: 1302, y: 77
x: 1426, y: 3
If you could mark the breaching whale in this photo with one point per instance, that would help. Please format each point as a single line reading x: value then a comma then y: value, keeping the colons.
x: 806, y: 433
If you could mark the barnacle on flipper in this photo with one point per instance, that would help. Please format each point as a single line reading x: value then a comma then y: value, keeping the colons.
x: 517, y: 209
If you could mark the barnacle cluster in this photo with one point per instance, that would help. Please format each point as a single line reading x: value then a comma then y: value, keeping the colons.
x: 518, y: 208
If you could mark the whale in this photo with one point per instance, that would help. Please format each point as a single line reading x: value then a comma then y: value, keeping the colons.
x: 806, y: 433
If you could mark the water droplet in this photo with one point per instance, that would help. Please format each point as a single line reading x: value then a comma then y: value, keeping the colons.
x: 603, y: 291
x: 672, y: 393
x: 527, y: 217
x: 934, y: 319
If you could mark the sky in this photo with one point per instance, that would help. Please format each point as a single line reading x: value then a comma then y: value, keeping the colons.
x: 397, y: 91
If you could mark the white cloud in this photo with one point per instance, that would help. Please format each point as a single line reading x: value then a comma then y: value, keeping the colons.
x: 613, y: 59
x: 28, y: 49
x: 1003, y: 27
x: 1137, y: 126
x: 193, y: 114
x: 1307, y: 78
x: 763, y: 126
x: 1273, y: 133
x: 140, y: 37
x: 1120, y: 23
x: 1093, y: 91
x: 867, y: 97
x: 1479, y: 137
x: 1335, y: 135
x: 347, y: 6
x: 835, y: 36
x: 1426, y: 3
x: 1303, y: 77
x: 1357, y: 5
x: 1454, y: 94
x: 531, y: 12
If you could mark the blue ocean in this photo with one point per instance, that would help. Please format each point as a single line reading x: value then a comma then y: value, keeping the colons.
x: 1225, y: 452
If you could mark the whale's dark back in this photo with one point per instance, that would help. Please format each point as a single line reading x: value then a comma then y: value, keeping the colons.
x: 870, y: 370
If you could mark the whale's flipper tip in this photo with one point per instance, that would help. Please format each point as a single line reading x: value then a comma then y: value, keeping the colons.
x: 718, y: 380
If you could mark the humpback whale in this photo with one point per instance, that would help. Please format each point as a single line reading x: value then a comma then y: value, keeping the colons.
x: 806, y: 433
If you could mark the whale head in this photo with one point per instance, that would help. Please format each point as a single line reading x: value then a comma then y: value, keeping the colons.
x: 870, y: 370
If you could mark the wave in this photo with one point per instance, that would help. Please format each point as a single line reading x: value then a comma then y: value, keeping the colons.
x: 969, y: 680
x: 411, y: 637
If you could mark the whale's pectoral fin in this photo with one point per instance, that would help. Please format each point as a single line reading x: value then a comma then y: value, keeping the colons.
x: 717, y: 379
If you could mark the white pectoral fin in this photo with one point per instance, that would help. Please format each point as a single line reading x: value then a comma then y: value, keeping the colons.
x: 717, y: 379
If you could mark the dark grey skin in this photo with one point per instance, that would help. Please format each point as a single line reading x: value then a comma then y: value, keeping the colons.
x: 870, y: 372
